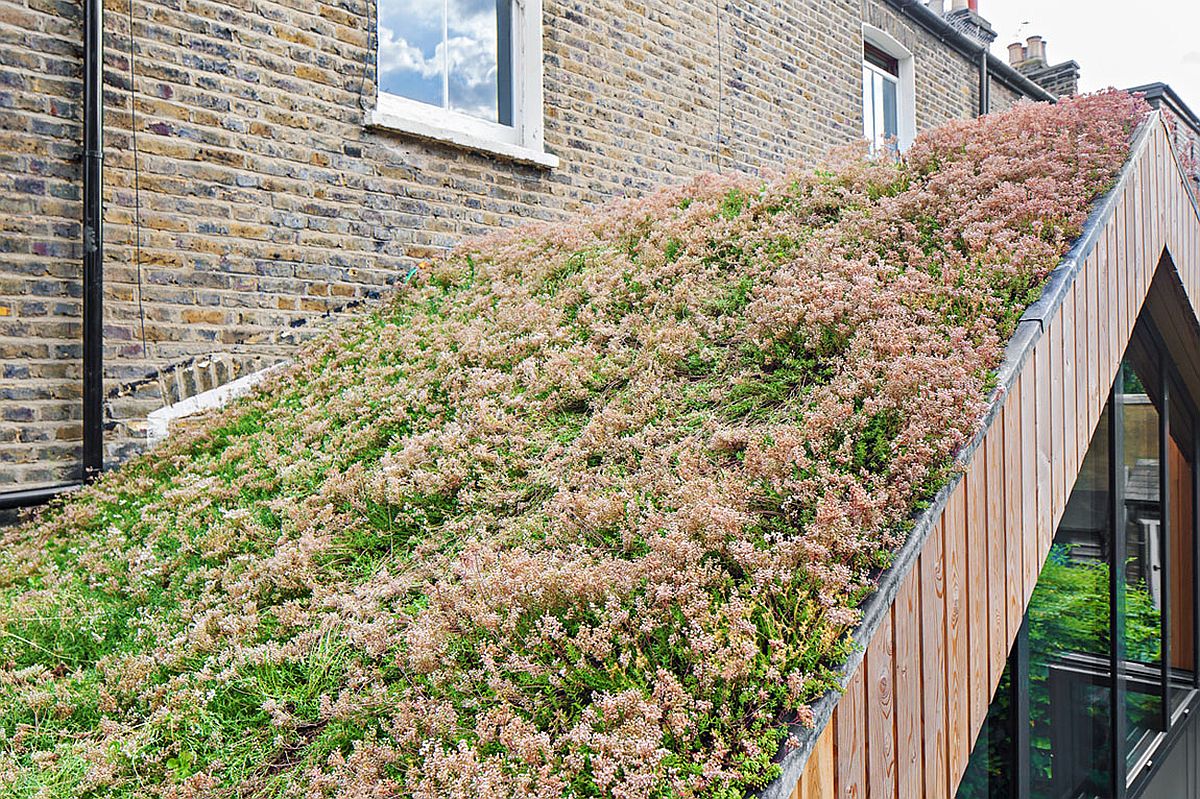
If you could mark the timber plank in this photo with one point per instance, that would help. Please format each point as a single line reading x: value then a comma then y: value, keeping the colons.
x: 1081, y: 323
x: 1095, y: 336
x: 1065, y: 319
x: 1030, y: 556
x: 850, y: 725
x: 881, y: 716
x: 906, y: 621
x: 1103, y: 334
x: 933, y: 665
x: 997, y: 609
x: 979, y: 687
x: 954, y: 528
x: 1054, y: 343
x: 1117, y: 258
x: 1013, y: 513
x: 1040, y: 365
x: 817, y: 781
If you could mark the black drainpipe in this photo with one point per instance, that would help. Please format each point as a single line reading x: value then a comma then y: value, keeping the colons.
x: 985, y: 84
x: 93, y: 239
x: 93, y: 267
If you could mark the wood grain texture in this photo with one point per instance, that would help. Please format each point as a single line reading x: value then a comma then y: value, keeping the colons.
x: 933, y: 664
x: 1065, y: 321
x: 1042, y: 423
x: 1104, y: 312
x: 1053, y: 343
x: 1014, y: 580
x: 881, y: 714
x: 954, y: 528
x: 906, y: 631
x: 850, y: 739
x: 817, y: 781
x: 1118, y: 258
x: 1031, y: 556
x: 997, y: 595
x: 979, y: 687
x: 1094, y: 320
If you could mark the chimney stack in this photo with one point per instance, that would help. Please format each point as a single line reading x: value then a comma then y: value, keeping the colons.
x: 964, y: 17
x: 1035, y: 49
x: 1029, y: 59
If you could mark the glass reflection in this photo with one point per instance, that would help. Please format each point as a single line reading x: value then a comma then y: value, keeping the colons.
x: 1070, y: 692
x: 989, y: 771
x: 1143, y: 561
x: 453, y: 54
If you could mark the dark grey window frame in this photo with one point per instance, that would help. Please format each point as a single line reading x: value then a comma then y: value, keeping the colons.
x: 1175, y: 404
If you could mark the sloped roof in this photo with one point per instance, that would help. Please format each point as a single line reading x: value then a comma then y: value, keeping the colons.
x: 589, y: 507
x: 1140, y: 248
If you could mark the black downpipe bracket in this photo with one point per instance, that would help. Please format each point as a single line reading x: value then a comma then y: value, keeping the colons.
x: 93, y: 240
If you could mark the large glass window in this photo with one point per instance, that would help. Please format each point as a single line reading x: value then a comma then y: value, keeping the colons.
x: 1068, y: 634
x: 1103, y: 670
x: 1142, y: 601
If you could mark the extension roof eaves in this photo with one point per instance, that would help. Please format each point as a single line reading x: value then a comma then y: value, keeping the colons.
x: 965, y: 45
x: 1017, y: 353
x: 1159, y: 91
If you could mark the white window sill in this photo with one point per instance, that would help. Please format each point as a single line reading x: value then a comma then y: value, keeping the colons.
x: 389, y: 120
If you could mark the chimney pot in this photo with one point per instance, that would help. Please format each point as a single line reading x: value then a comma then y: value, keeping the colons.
x: 973, y: 5
x: 1036, y: 48
x: 958, y: 5
x: 1016, y: 53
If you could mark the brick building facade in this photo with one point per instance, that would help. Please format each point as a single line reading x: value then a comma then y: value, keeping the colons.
x: 264, y: 196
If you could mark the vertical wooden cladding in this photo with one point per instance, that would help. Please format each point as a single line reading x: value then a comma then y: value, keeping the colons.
x: 850, y: 736
x: 931, y: 567
x: 979, y: 686
x: 881, y: 712
x: 913, y: 709
x: 817, y: 781
x: 954, y: 530
x: 906, y: 633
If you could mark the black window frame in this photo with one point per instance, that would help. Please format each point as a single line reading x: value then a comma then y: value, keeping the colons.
x: 1128, y: 780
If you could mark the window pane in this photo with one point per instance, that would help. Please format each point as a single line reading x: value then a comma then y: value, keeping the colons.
x: 989, y: 771
x: 890, y: 129
x: 1182, y: 533
x: 1069, y: 657
x: 868, y: 106
x: 475, y: 76
x: 411, y: 57
x: 877, y: 88
x: 1143, y: 562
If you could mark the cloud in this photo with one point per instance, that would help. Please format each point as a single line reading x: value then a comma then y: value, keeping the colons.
x: 1191, y: 57
x: 407, y: 68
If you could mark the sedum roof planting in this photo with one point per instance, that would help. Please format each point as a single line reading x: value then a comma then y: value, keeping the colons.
x: 587, y: 509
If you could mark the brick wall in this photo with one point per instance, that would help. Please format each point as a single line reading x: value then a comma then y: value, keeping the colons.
x: 266, y: 203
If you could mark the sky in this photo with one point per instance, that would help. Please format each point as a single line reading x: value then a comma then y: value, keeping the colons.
x: 413, y: 53
x: 1116, y: 42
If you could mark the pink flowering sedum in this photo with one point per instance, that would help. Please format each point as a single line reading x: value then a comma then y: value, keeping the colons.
x: 587, y: 509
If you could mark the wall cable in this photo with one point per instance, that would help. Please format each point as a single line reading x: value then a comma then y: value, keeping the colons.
x: 137, y: 184
x: 372, y: 46
x: 720, y: 87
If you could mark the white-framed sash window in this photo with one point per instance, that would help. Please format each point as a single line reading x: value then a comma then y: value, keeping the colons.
x: 468, y: 72
x: 889, y: 111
